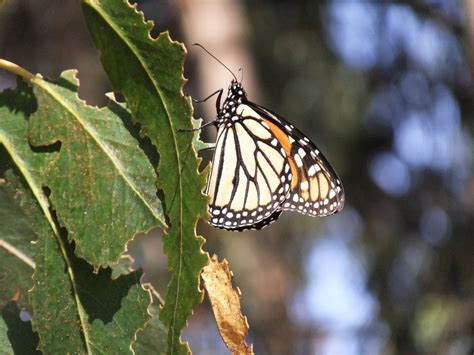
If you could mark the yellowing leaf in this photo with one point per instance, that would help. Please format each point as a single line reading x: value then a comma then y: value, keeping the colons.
x: 225, y: 301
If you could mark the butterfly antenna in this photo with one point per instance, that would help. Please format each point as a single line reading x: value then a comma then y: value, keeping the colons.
x: 241, y: 74
x: 213, y: 56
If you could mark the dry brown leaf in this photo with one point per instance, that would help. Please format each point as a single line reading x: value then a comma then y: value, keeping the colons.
x: 225, y: 301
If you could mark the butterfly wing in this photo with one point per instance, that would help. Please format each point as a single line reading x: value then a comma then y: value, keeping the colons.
x: 250, y: 175
x: 316, y: 189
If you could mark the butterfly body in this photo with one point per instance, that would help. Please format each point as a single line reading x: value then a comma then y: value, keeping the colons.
x: 263, y: 165
x: 227, y: 113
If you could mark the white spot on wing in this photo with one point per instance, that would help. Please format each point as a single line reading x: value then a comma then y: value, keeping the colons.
x: 298, y: 161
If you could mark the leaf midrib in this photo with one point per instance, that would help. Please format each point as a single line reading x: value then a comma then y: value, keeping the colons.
x: 94, y: 135
x: 136, y: 52
x: 42, y: 201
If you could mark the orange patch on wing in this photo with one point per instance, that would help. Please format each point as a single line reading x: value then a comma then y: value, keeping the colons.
x: 305, y: 195
x: 323, y: 185
x: 304, y: 191
x: 314, y: 186
x: 285, y: 143
x: 280, y: 135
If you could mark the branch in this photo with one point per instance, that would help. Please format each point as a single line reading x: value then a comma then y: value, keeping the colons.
x: 16, y: 69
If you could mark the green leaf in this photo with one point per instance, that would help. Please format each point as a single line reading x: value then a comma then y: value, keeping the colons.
x: 75, y: 310
x: 197, y: 142
x: 15, y: 233
x: 102, y: 184
x: 5, y: 346
x: 149, y: 74
x: 15, y: 229
x: 123, y: 267
x: 152, y: 339
x: 15, y: 108
x: 96, y: 315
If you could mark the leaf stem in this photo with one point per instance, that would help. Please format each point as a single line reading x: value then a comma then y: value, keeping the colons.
x: 16, y: 69
x: 18, y: 253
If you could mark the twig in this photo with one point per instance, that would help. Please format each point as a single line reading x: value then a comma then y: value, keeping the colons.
x: 19, y: 254
x: 16, y: 69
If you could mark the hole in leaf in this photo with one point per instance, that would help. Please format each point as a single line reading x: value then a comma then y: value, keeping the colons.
x: 55, y: 147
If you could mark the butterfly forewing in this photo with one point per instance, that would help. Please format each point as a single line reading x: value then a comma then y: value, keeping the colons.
x: 250, y: 176
x: 316, y: 189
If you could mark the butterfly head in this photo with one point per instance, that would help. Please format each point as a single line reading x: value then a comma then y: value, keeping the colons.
x: 228, y: 112
x: 236, y: 91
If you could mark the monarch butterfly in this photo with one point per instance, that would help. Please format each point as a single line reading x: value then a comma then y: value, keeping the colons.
x: 263, y: 165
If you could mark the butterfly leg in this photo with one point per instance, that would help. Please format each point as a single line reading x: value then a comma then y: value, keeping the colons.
x: 218, y: 101
x: 197, y: 129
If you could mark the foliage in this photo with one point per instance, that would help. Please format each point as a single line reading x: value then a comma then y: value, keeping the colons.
x: 68, y: 299
x: 153, y: 93
x: 79, y: 182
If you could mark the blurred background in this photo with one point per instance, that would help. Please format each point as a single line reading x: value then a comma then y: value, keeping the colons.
x: 385, y: 90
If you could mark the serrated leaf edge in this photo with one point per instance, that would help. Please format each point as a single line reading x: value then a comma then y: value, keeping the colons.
x: 45, y: 207
x: 149, y: 25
